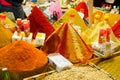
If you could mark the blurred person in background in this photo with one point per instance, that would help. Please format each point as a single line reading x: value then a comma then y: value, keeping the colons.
x: 100, y: 3
x: 116, y: 2
x: 14, y: 6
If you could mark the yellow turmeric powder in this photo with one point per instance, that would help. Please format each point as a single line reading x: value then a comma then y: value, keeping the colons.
x: 21, y: 56
x: 5, y: 36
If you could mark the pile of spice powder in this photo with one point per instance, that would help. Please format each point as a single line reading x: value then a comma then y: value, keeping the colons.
x: 21, y: 56
x: 5, y: 36
x: 39, y: 23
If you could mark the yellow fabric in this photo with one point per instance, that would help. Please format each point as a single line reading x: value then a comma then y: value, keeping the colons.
x: 77, y: 19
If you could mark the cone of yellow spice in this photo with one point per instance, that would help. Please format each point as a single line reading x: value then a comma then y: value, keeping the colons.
x: 68, y: 43
x: 5, y: 36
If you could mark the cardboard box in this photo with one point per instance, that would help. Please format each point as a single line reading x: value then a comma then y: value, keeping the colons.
x: 59, y: 62
x: 21, y: 36
x: 40, y: 38
x: 15, y: 37
x: 28, y: 39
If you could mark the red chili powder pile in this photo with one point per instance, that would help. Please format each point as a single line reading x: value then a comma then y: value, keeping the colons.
x: 21, y: 56
x: 39, y: 22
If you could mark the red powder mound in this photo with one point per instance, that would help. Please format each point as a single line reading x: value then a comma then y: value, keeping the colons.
x: 39, y: 22
x: 116, y: 29
x: 82, y: 7
x: 21, y: 56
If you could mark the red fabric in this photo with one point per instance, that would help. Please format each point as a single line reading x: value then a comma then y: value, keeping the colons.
x: 5, y: 3
x: 81, y: 6
x: 116, y: 29
x: 39, y: 22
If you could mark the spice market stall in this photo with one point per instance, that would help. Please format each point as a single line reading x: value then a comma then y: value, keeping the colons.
x: 78, y: 45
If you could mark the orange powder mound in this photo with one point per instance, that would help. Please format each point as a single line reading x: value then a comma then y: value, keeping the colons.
x: 66, y: 41
x: 21, y: 56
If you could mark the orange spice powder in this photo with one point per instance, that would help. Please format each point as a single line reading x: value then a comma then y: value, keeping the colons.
x: 21, y: 56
